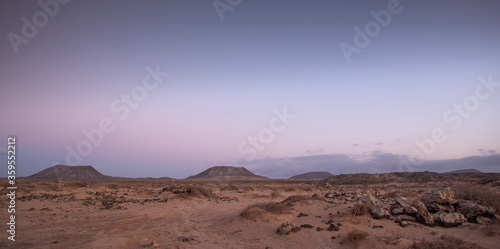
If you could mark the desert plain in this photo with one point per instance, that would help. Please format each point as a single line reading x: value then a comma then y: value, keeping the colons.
x: 344, y: 211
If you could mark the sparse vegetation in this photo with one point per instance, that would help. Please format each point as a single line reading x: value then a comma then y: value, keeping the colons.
x: 229, y: 188
x: 258, y: 212
x: 479, y: 194
x: 276, y: 194
x: 353, y: 237
x: 444, y: 242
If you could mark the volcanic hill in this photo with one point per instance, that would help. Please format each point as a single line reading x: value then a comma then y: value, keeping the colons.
x: 313, y: 175
x: 226, y: 172
x: 69, y: 172
x: 460, y: 171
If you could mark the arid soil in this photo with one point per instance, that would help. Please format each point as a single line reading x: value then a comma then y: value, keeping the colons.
x: 245, y: 214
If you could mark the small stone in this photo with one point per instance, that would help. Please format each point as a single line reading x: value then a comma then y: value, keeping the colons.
x: 332, y: 227
x: 404, y: 223
x: 319, y: 229
x: 287, y: 228
x: 307, y: 226
x: 302, y: 215
x: 397, y: 211
x: 375, y: 226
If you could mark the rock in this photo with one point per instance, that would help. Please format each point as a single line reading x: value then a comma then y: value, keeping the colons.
x: 375, y: 226
x: 369, y: 201
x: 404, y: 223
x: 449, y: 219
x: 302, y: 215
x: 152, y: 244
x: 329, y: 222
x: 307, y: 226
x: 482, y: 220
x: 404, y: 217
x: 397, y: 211
x: 332, y: 227
x: 436, y: 207
x: 319, y: 229
x: 329, y: 194
x: 379, y: 213
x: 440, y: 196
x: 287, y: 228
x: 423, y: 215
x: 407, y: 206
x: 471, y: 210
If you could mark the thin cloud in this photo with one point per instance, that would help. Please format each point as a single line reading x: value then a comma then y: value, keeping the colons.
x: 355, y: 145
x: 491, y: 152
x: 374, y: 162
x: 318, y: 151
x: 380, y: 143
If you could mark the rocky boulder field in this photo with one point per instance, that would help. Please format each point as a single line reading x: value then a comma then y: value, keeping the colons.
x: 341, y: 211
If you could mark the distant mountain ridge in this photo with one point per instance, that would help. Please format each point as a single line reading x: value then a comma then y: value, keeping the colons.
x: 463, y: 171
x: 313, y: 175
x: 225, y: 171
x: 69, y: 172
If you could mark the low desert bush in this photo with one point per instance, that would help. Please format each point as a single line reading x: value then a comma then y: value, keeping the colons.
x: 261, y: 211
x: 276, y: 194
x: 444, y: 243
x: 75, y: 184
x: 353, y: 236
x: 479, y: 194
x: 229, y: 188
x: 112, y: 186
x: 300, y: 198
x: 359, y: 209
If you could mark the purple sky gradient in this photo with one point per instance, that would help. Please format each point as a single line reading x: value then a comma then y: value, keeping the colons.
x: 226, y: 77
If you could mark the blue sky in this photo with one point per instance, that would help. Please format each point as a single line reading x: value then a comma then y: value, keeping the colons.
x: 226, y: 79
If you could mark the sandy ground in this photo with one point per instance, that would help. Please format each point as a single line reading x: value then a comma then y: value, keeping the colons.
x: 139, y: 214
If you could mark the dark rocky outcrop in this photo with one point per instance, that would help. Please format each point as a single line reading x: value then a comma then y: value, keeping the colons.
x: 226, y: 171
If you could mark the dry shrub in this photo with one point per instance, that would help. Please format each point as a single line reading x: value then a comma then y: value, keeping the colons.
x: 353, y: 236
x: 300, y: 198
x: 248, y: 189
x: 444, y: 243
x: 394, y: 237
x: 290, y: 189
x: 196, y: 191
x: 359, y: 209
x: 50, y: 186
x: 479, y: 194
x: 112, y: 186
x: 229, y: 188
x: 265, y: 211
x: 306, y: 188
x: 75, y: 184
x: 276, y: 194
